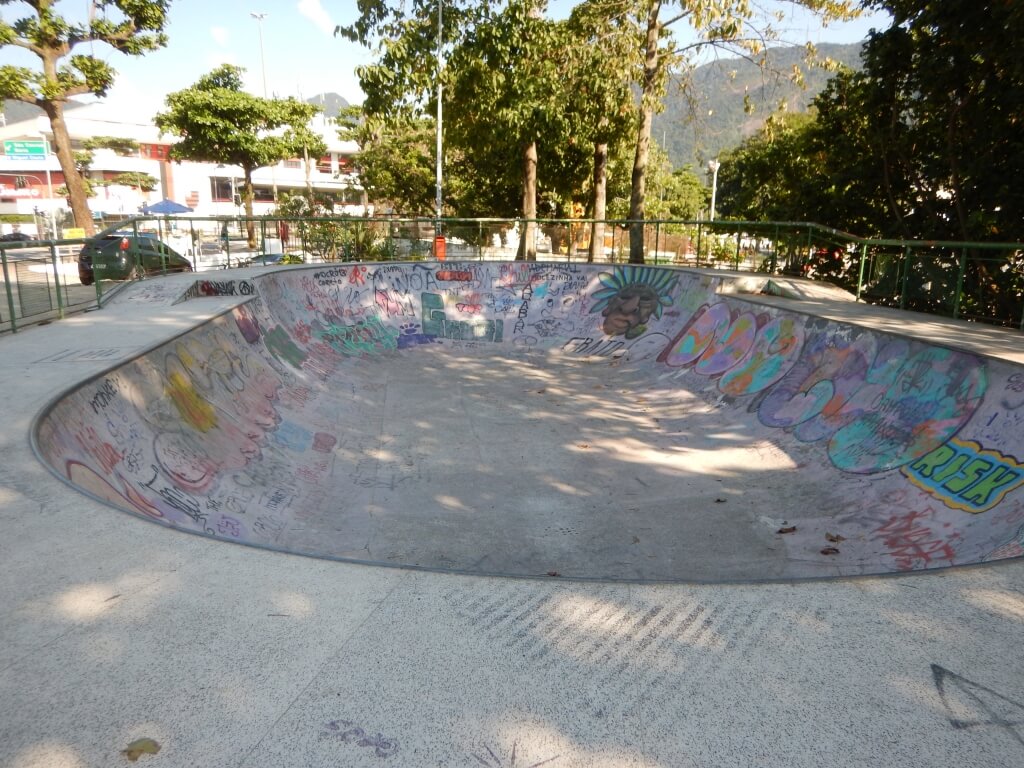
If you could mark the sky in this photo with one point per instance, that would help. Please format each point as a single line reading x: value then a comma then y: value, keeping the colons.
x: 299, y: 52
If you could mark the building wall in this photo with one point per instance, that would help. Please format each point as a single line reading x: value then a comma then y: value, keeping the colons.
x: 187, y: 182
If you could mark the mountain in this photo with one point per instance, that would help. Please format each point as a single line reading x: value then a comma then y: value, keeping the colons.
x: 699, y: 125
x: 332, y: 103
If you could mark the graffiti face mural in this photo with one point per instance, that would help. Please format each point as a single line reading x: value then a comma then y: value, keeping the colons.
x: 630, y: 296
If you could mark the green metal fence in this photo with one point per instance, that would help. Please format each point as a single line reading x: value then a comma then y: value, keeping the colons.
x: 975, y: 281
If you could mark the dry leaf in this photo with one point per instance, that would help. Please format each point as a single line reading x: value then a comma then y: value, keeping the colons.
x: 830, y: 551
x: 554, y: 573
x: 582, y: 445
x: 140, y: 747
x: 720, y: 501
x: 790, y: 529
x: 541, y: 391
x: 835, y: 538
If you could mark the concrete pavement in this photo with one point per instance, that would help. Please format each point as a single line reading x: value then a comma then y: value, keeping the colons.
x: 115, y: 629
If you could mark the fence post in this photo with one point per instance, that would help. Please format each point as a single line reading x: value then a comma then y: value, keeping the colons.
x: 56, y: 279
x: 810, y: 251
x: 960, y: 283
x: 738, y: 238
x: 700, y: 231
x: 775, y: 251
x: 7, y: 286
x: 906, y: 277
x: 657, y: 239
x: 860, y: 275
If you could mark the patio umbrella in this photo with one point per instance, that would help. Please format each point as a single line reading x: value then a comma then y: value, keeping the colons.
x: 166, y: 207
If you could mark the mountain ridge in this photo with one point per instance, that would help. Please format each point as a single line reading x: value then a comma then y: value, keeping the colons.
x: 696, y: 126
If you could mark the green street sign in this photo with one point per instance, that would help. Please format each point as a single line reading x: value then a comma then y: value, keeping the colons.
x: 25, y: 150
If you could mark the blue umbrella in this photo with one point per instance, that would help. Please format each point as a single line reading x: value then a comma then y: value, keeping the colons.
x: 165, y: 207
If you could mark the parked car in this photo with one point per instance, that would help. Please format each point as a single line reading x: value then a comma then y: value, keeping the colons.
x: 272, y: 259
x: 16, y: 237
x: 119, y: 256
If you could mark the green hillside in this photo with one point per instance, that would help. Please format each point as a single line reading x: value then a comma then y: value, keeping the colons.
x: 712, y: 119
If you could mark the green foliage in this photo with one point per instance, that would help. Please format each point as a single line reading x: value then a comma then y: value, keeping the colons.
x: 123, y: 147
x: 395, y: 160
x: 505, y: 90
x: 136, y: 179
x: 319, y: 234
x: 16, y: 218
x: 217, y: 122
x: 132, y: 27
x: 734, y: 26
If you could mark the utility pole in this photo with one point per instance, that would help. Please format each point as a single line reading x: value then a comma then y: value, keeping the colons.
x: 440, y: 66
x: 260, y: 16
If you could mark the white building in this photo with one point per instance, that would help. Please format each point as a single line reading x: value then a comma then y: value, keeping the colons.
x: 29, y: 186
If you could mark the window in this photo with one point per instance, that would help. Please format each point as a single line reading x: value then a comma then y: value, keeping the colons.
x: 154, y: 151
x: 292, y: 163
x: 220, y: 190
x: 324, y: 164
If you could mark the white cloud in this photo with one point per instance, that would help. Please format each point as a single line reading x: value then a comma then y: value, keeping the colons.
x: 316, y: 13
x: 220, y: 35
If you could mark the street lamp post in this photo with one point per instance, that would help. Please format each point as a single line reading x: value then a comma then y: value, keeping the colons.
x: 260, y: 16
x: 713, y: 166
x: 440, y: 65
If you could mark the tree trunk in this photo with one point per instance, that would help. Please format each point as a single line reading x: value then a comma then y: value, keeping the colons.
x: 527, y: 242
x: 600, y: 201
x: 247, y: 194
x: 72, y: 178
x: 643, y: 140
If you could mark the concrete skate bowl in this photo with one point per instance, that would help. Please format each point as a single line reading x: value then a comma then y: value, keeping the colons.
x: 594, y: 422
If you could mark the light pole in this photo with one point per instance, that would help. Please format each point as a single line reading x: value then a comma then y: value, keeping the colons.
x: 713, y: 166
x: 260, y: 16
x: 440, y: 66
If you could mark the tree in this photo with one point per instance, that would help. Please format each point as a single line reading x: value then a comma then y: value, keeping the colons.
x: 734, y: 26
x: 937, y: 108
x: 135, y: 29
x: 505, y: 91
x: 601, y: 64
x: 217, y: 122
x: 395, y: 159
x: 506, y: 125
x: 136, y: 179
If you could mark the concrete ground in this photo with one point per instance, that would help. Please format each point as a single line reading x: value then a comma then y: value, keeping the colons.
x: 115, y: 630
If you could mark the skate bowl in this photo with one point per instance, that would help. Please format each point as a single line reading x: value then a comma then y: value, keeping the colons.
x: 554, y: 420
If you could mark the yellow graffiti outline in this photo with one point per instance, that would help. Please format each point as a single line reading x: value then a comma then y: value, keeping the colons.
x: 979, y: 451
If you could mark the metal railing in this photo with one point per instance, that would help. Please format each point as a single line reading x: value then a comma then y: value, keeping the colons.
x: 976, y: 281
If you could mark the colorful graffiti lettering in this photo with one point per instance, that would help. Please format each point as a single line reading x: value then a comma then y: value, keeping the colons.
x: 436, y: 323
x: 911, y: 543
x: 748, y: 352
x: 965, y: 476
x: 452, y: 275
x: 364, y: 337
x: 281, y: 346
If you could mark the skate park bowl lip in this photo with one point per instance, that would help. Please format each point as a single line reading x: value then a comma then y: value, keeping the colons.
x: 533, y: 419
